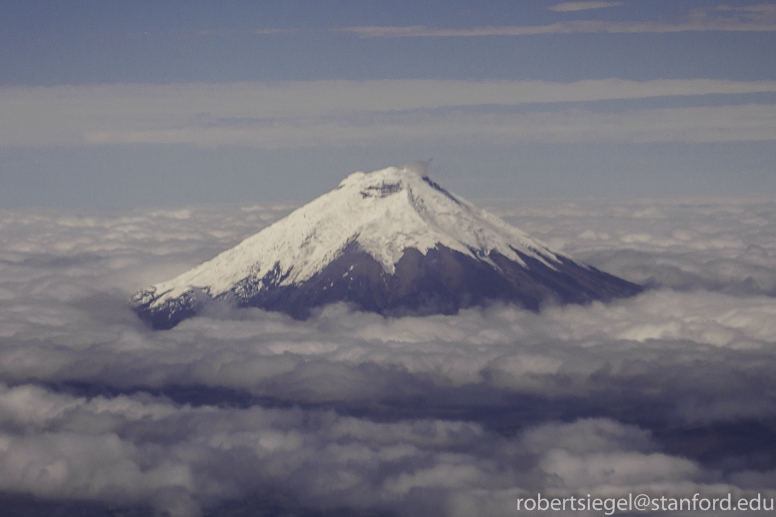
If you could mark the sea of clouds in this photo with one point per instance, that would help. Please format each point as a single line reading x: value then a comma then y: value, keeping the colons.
x: 245, y: 412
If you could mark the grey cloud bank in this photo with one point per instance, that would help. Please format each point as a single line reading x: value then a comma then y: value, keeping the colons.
x: 671, y: 392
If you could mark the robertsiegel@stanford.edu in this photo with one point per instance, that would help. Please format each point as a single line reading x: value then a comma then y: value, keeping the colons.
x: 643, y: 503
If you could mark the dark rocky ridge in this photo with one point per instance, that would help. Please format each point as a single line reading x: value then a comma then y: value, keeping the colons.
x: 442, y: 281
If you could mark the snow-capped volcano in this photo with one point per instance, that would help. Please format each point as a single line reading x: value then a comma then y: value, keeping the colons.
x: 391, y: 241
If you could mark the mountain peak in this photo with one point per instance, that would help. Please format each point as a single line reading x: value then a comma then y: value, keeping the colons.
x: 391, y: 241
x: 402, y: 175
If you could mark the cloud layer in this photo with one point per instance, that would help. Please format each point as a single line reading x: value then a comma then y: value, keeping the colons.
x: 341, y: 113
x: 671, y: 392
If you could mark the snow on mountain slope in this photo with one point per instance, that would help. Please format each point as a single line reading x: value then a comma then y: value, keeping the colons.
x: 391, y: 241
x: 385, y: 212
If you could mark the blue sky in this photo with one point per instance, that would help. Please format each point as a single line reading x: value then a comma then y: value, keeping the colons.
x: 169, y: 103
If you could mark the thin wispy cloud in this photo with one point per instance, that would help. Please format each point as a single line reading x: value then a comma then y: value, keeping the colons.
x: 303, y: 114
x: 758, y: 18
x: 582, y: 6
x: 745, y: 123
x: 759, y: 8
x: 231, y: 32
x: 572, y: 27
